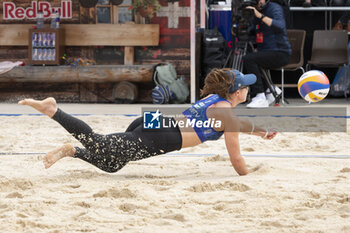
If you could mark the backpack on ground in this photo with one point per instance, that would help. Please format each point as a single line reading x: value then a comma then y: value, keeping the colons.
x: 214, y: 51
x: 341, y: 85
x: 169, y: 88
x: 341, y: 82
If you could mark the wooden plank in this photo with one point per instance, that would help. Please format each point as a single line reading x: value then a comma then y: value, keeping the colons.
x: 93, y: 74
x: 128, y: 50
x: 115, y: 16
x: 9, y: 36
x: 112, y: 34
x: 88, y: 34
x: 128, y: 55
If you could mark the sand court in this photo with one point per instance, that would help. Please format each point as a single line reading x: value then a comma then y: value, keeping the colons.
x: 193, y: 190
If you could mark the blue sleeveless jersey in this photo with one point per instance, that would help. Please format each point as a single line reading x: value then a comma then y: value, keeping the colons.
x: 198, y: 112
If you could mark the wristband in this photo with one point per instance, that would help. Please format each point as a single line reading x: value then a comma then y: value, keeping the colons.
x: 262, y: 16
x: 267, y: 132
x: 253, y: 127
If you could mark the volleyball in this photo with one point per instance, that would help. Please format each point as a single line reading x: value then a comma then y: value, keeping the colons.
x: 313, y: 86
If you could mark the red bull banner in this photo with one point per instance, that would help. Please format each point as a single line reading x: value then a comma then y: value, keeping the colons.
x: 12, y: 12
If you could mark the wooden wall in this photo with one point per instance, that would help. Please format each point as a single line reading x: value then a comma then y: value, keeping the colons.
x: 174, y: 47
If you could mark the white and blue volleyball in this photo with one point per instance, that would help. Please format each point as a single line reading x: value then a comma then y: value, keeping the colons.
x: 313, y: 86
x: 161, y: 94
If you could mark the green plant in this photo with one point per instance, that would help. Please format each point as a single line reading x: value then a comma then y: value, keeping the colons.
x: 146, y: 8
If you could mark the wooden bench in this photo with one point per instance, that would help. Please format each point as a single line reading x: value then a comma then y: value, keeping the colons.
x: 128, y: 35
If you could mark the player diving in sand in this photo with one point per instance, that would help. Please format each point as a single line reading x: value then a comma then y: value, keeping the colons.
x: 224, y: 89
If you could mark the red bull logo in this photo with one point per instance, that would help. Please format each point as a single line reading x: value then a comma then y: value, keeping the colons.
x: 11, y: 12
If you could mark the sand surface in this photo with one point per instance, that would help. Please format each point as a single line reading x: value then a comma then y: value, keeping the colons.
x: 172, y: 193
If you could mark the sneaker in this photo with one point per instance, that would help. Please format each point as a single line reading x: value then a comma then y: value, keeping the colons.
x: 258, y: 102
x: 269, y: 96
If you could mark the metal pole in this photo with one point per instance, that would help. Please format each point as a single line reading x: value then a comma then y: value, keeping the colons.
x: 203, y: 9
x: 193, y: 51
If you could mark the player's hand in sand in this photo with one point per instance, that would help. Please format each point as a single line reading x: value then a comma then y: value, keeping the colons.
x: 255, y: 168
x: 270, y: 134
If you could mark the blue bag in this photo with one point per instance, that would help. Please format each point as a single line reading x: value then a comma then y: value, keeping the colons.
x: 169, y: 88
x: 341, y: 83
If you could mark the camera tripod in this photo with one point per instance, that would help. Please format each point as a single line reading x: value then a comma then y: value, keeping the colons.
x: 234, y: 58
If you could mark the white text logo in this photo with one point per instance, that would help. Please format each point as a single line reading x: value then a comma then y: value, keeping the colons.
x: 10, y: 11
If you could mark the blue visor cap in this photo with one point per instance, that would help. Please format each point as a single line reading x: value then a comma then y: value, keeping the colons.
x: 242, y: 80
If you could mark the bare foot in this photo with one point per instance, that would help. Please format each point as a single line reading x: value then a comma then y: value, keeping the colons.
x: 57, y: 154
x: 47, y: 106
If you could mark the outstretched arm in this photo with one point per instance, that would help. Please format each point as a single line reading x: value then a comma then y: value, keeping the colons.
x: 233, y: 149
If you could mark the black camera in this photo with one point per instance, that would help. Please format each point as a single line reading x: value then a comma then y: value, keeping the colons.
x: 242, y: 20
x: 248, y: 14
x: 246, y: 3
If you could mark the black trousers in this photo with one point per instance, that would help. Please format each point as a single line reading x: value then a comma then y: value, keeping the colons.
x: 112, y: 152
x: 264, y: 59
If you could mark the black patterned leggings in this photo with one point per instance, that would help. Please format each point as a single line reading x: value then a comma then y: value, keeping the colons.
x: 112, y: 152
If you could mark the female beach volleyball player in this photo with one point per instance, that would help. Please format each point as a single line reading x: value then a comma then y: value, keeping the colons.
x: 223, y: 90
